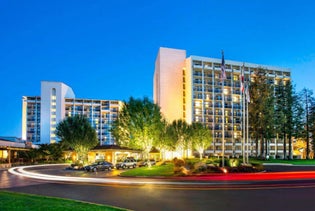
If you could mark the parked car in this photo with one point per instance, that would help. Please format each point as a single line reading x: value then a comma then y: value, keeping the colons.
x: 99, y: 166
x: 146, y: 162
x: 127, y: 163
x: 75, y: 166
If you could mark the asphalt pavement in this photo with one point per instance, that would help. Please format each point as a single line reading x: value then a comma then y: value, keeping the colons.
x: 288, y: 196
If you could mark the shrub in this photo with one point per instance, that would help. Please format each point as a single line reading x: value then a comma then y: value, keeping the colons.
x: 179, y: 167
x: 178, y: 162
x: 233, y: 162
x: 199, y: 167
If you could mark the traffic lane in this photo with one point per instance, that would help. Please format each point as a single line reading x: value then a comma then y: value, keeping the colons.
x: 149, y: 197
x: 8, y: 180
x: 44, y: 171
x: 62, y: 170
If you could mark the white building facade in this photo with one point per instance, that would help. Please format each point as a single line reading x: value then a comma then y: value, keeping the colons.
x: 191, y: 89
x: 41, y: 114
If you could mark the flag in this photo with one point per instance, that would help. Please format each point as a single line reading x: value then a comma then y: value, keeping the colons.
x: 247, y: 93
x: 242, y: 78
x: 223, y: 75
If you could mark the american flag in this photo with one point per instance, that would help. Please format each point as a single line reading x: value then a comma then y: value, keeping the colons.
x: 223, y: 75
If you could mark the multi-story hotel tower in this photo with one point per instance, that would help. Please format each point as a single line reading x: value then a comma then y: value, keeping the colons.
x: 191, y: 89
x: 41, y: 114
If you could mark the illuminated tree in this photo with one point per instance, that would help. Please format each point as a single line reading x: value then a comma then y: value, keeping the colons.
x: 77, y: 133
x: 201, y: 137
x: 138, y: 125
x: 178, y: 133
x: 164, y: 143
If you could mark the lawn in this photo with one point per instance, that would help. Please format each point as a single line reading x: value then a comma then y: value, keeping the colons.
x: 162, y: 170
x: 293, y: 162
x: 168, y: 169
x: 20, y: 201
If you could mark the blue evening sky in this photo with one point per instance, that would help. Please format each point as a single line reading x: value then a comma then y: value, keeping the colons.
x: 106, y: 49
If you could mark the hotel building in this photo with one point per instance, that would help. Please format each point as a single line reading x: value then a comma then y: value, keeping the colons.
x: 41, y: 114
x: 190, y: 88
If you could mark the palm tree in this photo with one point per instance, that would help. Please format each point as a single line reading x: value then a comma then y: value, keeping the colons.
x: 77, y: 133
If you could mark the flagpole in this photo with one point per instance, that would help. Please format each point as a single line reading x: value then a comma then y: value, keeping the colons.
x: 223, y: 129
x: 243, y: 122
x: 223, y: 105
x: 243, y: 112
x: 247, y: 130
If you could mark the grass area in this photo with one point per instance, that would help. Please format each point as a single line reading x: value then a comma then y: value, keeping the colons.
x: 20, y: 201
x: 162, y: 170
x: 293, y: 162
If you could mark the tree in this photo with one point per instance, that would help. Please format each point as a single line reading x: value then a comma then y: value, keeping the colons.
x: 284, y: 102
x: 308, y: 103
x: 164, y: 142
x: 261, y: 110
x: 201, y: 137
x: 138, y: 125
x: 77, y: 133
x: 51, y: 151
x: 178, y: 133
x: 298, y: 116
x: 312, y: 126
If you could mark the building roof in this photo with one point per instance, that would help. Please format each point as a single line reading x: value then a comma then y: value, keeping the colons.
x: 14, y: 142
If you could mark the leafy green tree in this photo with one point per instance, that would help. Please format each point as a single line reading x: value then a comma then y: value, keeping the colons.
x: 284, y: 102
x: 261, y: 110
x: 164, y: 142
x: 200, y: 136
x: 312, y: 127
x: 77, y: 133
x: 308, y: 103
x: 51, y: 152
x: 298, y: 116
x: 138, y: 125
x: 178, y: 134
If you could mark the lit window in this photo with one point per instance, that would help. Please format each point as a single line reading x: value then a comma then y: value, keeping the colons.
x: 197, y: 104
x: 235, y: 99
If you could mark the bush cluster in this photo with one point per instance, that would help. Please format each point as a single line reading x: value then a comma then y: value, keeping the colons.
x: 213, y: 165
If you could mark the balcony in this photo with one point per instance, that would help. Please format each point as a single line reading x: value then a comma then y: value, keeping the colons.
x: 208, y: 67
x: 197, y: 66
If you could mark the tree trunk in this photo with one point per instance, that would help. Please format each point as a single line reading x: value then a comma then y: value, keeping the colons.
x: 256, y: 145
x: 261, y: 145
x: 290, y: 147
x: 284, y: 146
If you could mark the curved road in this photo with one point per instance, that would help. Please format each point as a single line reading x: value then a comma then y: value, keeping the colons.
x: 278, y: 191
